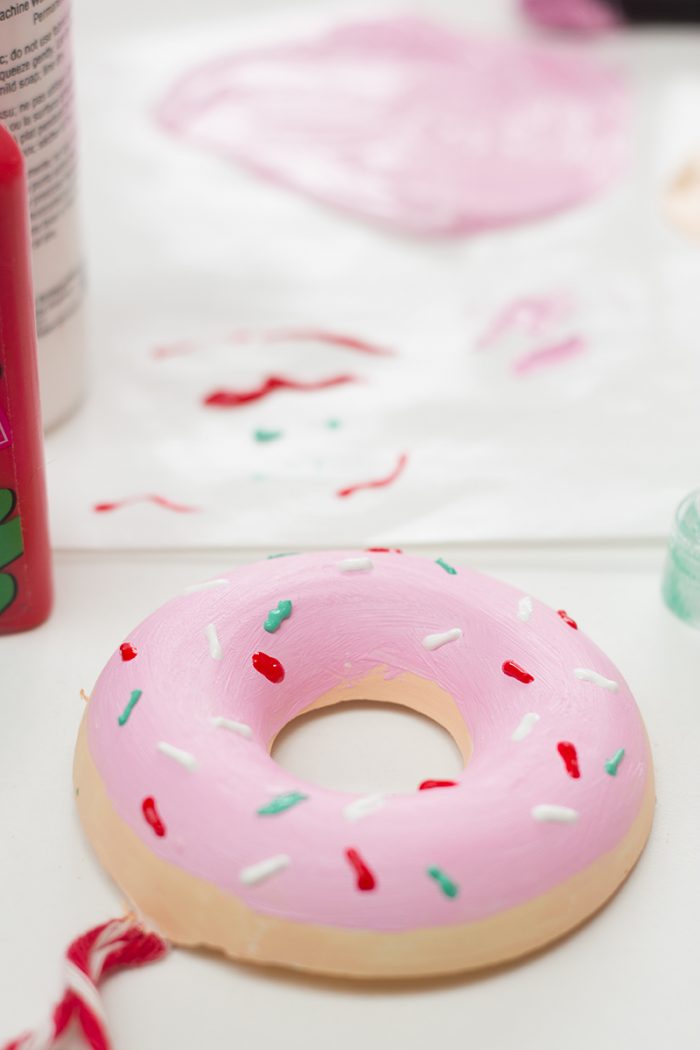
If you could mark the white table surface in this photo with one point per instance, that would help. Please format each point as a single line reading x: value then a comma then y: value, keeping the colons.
x: 627, y: 979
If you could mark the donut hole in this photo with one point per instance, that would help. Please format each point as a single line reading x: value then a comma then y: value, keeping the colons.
x: 366, y: 746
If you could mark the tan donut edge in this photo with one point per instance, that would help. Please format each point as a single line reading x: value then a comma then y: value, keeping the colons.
x: 190, y: 911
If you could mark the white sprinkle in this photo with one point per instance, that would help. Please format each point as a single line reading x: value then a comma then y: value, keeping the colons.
x: 213, y: 639
x: 361, y: 807
x: 586, y: 675
x: 208, y: 585
x: 183, y: 757
x: 525, y: 609
x: 434, y: 641
x: 526, y: 726
x: 236, y: 727
x: 263, y: 869
x: 355, y: 565
x: 557, y: 814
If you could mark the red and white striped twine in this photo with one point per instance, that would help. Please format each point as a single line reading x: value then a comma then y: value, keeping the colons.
x: 89, y: 960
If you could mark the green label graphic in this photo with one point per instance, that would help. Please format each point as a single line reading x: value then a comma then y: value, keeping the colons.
x: 11, y: 546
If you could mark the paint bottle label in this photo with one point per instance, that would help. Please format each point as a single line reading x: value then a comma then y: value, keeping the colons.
x: 37, y: 107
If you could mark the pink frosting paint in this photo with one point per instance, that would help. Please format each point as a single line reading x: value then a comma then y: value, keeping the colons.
x: 414, y: 126
x: 586, y: 16
x: 481, y: 832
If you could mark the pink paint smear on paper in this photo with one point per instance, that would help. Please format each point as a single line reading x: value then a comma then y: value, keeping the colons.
x: 159, y: 501
x: 584, y: 16
x: 531, y: 315
x: 549, y: 355
x: 281, y: 335
x: 412, y: 125
x: 536, y: 319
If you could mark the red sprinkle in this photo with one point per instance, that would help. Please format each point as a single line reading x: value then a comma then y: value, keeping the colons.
x: 427, y: 784
x: 269, y: 667
x: 127, y: 650
x: 152, y: 816
x: 236, y: 398
x: 568, y: 753
x: 365, y: 878
x: 377, y: 483
x: 514, y: 670
x: 567, y: 619
x: 384, y: 550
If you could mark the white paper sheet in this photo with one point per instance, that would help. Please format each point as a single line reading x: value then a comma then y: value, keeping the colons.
x: 183, y: 246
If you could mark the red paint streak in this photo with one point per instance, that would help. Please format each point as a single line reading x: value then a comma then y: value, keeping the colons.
x: 320, y: 335
x: 282, y: 335
x: 365, y: 878
x: 269, y: 667
x: 568, y: 753
x: 384, y: 550
x: 514, y: 670
x: 426, y: 785
x: 160, y: 501
x: 378, y: 483
x: 152, y: 816
x: 567, y: 619
x: 127, y: 650
x: 236, y: 398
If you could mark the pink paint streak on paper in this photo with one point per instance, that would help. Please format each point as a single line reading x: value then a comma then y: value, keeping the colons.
x: 531, y: 315
x: 585, y: 16
x: 551, y: 354
x: 412, y: 125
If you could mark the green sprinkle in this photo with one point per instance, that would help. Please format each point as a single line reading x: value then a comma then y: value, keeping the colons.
x: 282, y: 802
x: 444, y: 565
x: 276, y: 616
x: 448, y: 887
x: 266, y: 435
x: 133, y: 701
x: 333, y: 424
x: 612, y: 763
x: 285, y: 554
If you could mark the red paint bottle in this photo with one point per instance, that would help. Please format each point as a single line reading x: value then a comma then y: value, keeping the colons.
x: 25, y: 560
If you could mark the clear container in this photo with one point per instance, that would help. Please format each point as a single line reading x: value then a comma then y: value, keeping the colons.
x: 681, y: 582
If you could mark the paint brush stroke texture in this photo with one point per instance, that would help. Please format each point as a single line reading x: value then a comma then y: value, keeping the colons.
x: 411, y: 125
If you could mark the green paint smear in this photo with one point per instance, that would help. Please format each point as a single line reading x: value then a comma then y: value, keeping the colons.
x: 276, y: 616
x: 285, y: 554
x: 124, y: 716
x: 333, y: 424
x: 266, y: 435
x: 612, y: 763
x: 444, y: 565
x: 448, y: 887
x: 282, y: 802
